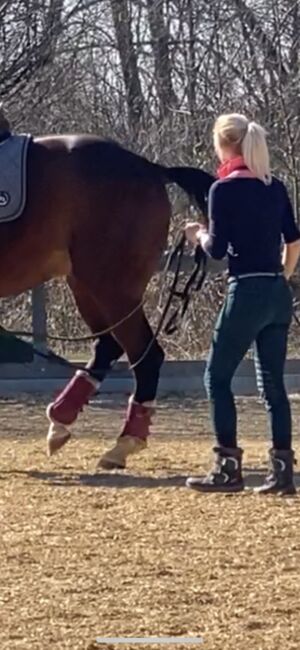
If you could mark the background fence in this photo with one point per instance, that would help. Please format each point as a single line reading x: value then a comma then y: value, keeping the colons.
x: 152, y: 75
x: 178, y: 376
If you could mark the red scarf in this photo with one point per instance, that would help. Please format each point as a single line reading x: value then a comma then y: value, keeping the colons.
x: 230, y: 166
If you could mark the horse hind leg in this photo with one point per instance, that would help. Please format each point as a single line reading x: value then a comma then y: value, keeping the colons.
x: 64, y: 410
x: 136, y: 337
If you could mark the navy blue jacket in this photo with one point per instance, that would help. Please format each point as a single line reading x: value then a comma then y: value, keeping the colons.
x: 248, y: 221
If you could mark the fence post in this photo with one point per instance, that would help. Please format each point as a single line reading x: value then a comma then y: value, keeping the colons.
x: 39, y: 317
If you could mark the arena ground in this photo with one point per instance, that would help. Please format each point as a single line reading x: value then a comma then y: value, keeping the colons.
x: 136, y: 553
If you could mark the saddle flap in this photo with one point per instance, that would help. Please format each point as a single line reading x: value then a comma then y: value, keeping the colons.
x: 13, y: 163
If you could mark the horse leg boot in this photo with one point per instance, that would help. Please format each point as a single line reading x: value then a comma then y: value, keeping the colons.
x: 64, y: 410
x: 141, y: 407
x: 70, y: 402
x: 133, y: 437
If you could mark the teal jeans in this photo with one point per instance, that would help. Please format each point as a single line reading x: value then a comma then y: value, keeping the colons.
x: 256, y: 310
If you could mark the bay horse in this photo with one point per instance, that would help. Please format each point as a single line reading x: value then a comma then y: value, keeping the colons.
x: 97, y: 215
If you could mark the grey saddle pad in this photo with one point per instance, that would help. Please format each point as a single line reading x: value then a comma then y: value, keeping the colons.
x: 13, y: 156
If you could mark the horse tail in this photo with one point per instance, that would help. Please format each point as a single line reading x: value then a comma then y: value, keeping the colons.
x: 195, y: 182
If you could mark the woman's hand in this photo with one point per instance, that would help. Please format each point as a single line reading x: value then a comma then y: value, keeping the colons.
x: 195, y: 233
x: 290, y: 257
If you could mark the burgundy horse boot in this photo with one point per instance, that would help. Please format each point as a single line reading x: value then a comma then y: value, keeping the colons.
x: 66, y: 407
x: 133, y: 438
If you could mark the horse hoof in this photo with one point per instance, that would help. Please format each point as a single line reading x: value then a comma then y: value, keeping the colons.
x: 113, y: 459
x: 57, y: 437
x: 116, y: 457
x: 107, y: 463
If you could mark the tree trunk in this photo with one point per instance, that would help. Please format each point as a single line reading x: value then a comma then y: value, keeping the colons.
x: 129, y: 65
x: 160, y: 46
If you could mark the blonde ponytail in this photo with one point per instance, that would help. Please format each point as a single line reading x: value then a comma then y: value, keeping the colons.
x: 234, y: 131
x: 255, y: 152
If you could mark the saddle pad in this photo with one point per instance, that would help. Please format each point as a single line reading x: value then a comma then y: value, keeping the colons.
x: 13, y: 157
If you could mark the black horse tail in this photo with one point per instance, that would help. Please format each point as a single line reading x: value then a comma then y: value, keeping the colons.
x: 195, y: 182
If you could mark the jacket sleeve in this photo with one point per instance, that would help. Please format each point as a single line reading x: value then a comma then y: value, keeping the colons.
x: 217, y: 244
x: 290, y: 229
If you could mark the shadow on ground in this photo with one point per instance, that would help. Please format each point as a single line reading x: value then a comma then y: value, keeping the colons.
x: 121, y: 480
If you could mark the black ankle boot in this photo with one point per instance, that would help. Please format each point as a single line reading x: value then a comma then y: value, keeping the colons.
x: 280, y: 479
x: 226, y: 475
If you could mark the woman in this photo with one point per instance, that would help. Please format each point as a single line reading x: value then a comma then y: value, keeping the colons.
x: 249, y: 214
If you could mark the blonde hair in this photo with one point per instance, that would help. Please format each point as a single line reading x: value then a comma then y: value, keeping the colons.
x: 247, y: 139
